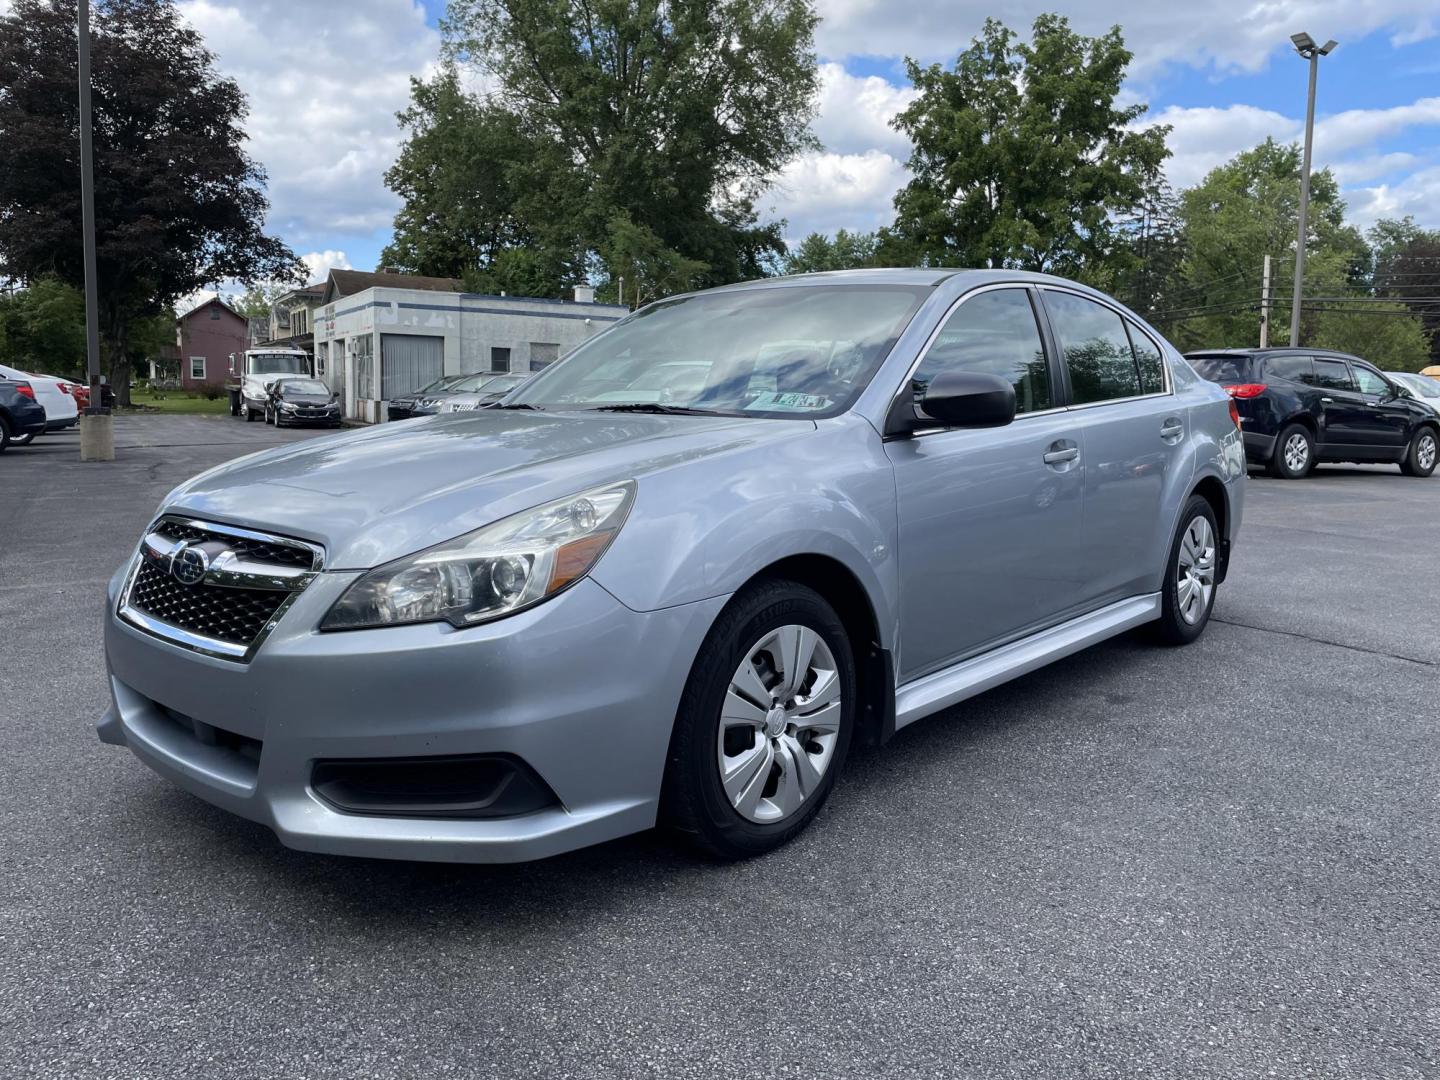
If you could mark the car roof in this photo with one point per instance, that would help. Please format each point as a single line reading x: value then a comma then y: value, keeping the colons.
x: 914, y: 275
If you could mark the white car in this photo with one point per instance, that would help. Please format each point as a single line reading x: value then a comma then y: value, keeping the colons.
x: 61, y: 411
x: 1422, y: 388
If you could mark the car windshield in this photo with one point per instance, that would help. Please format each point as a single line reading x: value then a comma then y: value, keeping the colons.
x: 303, y: 386
x: 1221, y: 369
x: 279, y: 364
x: 503, y: 384
x: 445, y: 382
x: 1421, y: 386
x: 468, y: 384
x: 803, y: 351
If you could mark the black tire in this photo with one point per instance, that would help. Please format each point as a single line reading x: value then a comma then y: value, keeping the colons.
x: 1174, y: 627
x: 249, y: 414
x: 1279, y: 466
x: 22, y: 440
x: 1424, y: 447
x: 4, y: 434
x: 694, y: 802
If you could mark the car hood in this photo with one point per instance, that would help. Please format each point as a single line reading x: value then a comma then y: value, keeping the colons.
x: 307, y: 399
x: 372, y: 495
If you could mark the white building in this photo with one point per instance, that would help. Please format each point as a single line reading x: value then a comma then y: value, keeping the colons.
x: 379, y: 336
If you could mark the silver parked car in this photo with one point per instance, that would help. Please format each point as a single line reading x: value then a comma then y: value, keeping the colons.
x: 503, y: 634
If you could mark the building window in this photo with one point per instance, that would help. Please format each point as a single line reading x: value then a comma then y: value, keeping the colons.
x: 499, y: 359
x: 215, y: 313
x: 543, y: 354
x: 321, y: 351
x: 363, y: 349
x: 197, y: 367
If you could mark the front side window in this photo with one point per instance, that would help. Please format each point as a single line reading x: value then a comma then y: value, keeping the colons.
x: 995, y: 333
x: 1370, y: 382
x: 1331, y: 375
x: 781, y: 352
x: 1097, y: 349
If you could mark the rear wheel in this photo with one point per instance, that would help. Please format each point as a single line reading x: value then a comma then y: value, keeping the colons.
x: 4, y: 434
x: 1188, y: 595
x: 1294, y: 454
x: 22, y: 440
x: 1421, y: 457
x: 764, y: 723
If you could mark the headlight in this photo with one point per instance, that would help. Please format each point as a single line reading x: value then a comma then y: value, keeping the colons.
x: 288, y: 406
x: 495, y: 571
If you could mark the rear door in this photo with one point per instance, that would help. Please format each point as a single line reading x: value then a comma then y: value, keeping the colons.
x: 1344, y: 413
x: 1133, y: 431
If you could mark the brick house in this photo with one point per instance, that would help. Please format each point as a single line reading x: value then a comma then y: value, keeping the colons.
x: 207, y: 335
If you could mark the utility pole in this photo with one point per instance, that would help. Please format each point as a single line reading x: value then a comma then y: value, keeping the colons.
x: 97, y: 435
x: 1265, y: 305
x: 1306, y: 47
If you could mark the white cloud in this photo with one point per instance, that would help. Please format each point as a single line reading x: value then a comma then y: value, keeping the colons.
x: 318, y: 264
x: 828, y: 191
x: 855, y: 112
x: 1202, y: 138
x: 1229, y: 34
x: 323, y: 94
x: 1418, y: 195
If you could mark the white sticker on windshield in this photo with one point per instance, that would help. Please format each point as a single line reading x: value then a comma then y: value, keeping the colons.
x: 781, y: 402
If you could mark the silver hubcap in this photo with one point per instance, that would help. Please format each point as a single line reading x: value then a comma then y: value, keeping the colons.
x: 1297, y: 452
x: 1195, y: 578
x: 779, y: 724
x: 1425, y: 452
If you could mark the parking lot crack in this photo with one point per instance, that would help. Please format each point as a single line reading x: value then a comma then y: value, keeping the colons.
x: 1325, y: 641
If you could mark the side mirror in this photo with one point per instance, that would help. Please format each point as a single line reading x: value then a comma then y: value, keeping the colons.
x: 957, y: 399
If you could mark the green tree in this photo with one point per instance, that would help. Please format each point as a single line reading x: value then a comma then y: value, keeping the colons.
x: 1021, y: 157
x: 42, y: 328
x: 178, y: 202
x: 650, y: 270
x: 1240, y: 212
x: 1407, y: 267
x: 667, y: 115
x: 845, y: 251
x: 257, y: 300
x: 1385, y: 334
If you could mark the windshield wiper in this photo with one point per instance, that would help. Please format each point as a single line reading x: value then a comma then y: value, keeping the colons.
x: 518, y: 405
x: 655, y: 407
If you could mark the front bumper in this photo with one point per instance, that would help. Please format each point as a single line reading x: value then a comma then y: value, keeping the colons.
x: 581, y: 689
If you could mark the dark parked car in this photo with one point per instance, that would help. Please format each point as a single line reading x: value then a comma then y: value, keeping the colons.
x: 301, y: 400
x: 1302, y: 406
x: 21, y: 416
x: 403, y: 408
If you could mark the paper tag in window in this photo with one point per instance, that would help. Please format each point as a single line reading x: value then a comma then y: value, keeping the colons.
x: 783, y: 402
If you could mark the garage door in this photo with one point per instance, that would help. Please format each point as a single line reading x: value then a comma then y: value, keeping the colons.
x: 408, y: 362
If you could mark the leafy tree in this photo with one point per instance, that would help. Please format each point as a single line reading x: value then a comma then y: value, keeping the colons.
x: 1240, y: 212
x: 845, y: 251
x: 1021, y: 157
x: 259, y: 298
x: 178, y: 202
x: 668, y: 116
x: 649, y: 269
x: 1407, y: 267
x: 1384, y: 334
x: 42, y: 328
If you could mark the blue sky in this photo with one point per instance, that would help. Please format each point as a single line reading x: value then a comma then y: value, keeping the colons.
x: 323, y: 101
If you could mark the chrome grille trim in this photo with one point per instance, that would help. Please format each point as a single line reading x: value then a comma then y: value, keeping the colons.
x: 269, y: 564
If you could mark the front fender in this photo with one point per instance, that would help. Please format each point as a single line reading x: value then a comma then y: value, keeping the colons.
x: 704, y: 528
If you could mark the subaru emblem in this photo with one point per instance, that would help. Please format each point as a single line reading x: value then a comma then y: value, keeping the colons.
x: 188, y: 564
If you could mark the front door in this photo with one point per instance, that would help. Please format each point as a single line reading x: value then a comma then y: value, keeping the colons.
x: 987, y: 518
x: 1344, y: 413
x: 1386, y: 417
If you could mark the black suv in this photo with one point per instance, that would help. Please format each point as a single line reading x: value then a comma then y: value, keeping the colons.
x: 1300, y: 406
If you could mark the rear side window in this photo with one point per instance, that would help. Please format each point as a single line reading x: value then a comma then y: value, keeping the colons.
x: 1147, y: 359
x: 993, y: 332
x: 1222, y: 369
x: 1331, y: 375
x: 1294, y: 368
x: 1097, y: 349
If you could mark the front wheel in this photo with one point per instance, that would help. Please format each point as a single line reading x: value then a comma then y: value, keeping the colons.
x: 249, y: 414
x: 4, y: 434
x: 1188, y: 594
x: 1420, y: 458
x: 764, y: 722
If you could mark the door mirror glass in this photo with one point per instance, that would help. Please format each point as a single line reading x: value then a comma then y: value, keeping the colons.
x: 969, y: 399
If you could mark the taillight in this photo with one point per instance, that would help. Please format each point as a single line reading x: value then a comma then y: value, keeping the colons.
x: 1235, y: 412
x: 66, y: 388
x: 1245, y: 389
x: 24, y: 389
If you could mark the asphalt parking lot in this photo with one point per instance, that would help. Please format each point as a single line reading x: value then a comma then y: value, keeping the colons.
x: 1217, y: 861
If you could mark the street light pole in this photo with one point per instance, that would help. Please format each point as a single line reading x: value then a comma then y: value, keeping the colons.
x: 97, y: 437
x: 1306, y: 47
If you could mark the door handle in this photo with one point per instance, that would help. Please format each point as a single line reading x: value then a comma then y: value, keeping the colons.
x: 1171, y: 429
x: 1059, y: 457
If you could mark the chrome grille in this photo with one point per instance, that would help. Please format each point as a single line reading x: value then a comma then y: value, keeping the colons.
x: 215, y: 588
